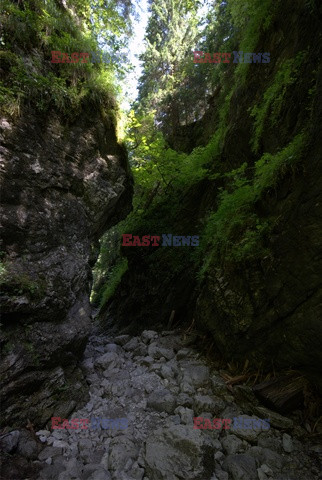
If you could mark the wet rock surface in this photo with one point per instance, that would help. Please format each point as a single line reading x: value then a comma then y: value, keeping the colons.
x: 62, y: 186
x: 159, y: 395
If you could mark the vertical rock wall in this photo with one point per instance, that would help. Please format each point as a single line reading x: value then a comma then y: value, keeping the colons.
x: 63, y: 185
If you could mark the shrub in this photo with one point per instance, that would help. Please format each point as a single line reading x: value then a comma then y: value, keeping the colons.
x: 235, y: 232
x: 273, y: 97
x: 114, y: 278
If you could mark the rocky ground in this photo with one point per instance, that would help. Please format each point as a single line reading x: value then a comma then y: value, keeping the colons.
x: 159, y: 384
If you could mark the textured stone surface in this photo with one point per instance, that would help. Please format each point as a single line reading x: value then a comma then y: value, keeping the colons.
x: 161, y: 443
x: 178, y: 451
x: 62, y: 185
x: 9, y: 441
x: 241, y: 467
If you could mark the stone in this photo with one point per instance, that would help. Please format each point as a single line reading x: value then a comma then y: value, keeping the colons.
x: 162, y: 401
x: 130, y: 392
x: 90, y: 469
x: 166, y: 372
x: 186, y: 415
x: 68, y: 476
x: 217, y: 444
x: 240, y: 467
x: 157, y: 352
x: 178, y: 452
x: 266, y: 469
x: 9, y: 441
x: 108, y: 360
x: 232, y: 444
x: 148, y: 336
x: 122, y: 449
x: 244, y: 396
x: 141, y: 350
x: 147, y: 361
x: 136, y: 472
x: 183, y: 353
x: 60, y: 444
x: 276, y: 420
x: 86, y: 451
x: 261, y: 475
x: 220, y: 474
x: 264, y: 455
x: 43, y: 433
x: 219, y: 456
x: 184, y: 400
x: 50, y: 452
x: 85, y: 444
x: 186, y: 387
x: 219, y: 386
x: 249, y: 434
x: 112, y: 347
x: 100, y: 349
x: 74, y: 467
x: 211, y: 404
x: 92, y: 379
x: 195, y: 374
x: 88, y: 365
x: 173, y: 419
x: 287, y: 443
x: 121, y: 339
x: 131, y: 344
x: 269, y: 442
x: 51, y: 472
x: 100, y: 475
x: 27, y: 445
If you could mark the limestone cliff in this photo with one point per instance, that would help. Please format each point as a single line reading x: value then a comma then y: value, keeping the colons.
x: 63, y: 184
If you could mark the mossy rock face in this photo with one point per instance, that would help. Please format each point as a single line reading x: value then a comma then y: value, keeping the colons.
x: 260, y: 294
x: 160, y: 280
x: 65, y: 180
x: 62, y: 186
x: 268, y: 311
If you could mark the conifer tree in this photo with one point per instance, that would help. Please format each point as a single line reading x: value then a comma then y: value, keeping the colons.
x: 170, y: 39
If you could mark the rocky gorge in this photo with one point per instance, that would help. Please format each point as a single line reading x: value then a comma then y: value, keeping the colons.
x: 160, y: 335
x: 159, y: 384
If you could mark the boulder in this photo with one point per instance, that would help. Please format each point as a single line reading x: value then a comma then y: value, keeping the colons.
x: 178, y: 452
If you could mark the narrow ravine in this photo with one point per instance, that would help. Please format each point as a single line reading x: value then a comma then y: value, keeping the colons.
x: 157, y: 385
x: 160, y: 170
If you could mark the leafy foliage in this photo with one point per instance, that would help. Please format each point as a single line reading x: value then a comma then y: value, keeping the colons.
x: 31, y: 31
x: 16, y: 284
x: 170, y: 37
x: 250, y: 18
x: 270, y: 106
x: 270, y: 168
x: 235, y: 232
x: 114, y: 278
